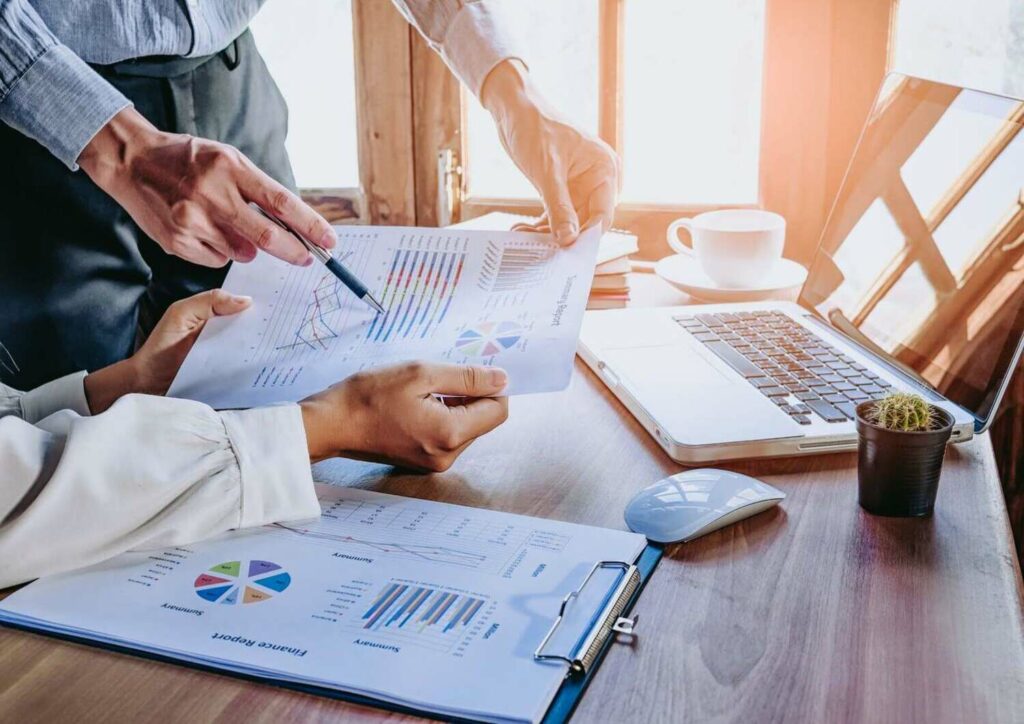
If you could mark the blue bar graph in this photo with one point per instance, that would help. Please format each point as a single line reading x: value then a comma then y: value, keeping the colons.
x: 418, y: 292
x: 421, y: 610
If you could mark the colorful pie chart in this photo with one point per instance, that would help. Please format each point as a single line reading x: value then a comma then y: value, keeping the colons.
x: 242, y: 582
x: 488, y: 339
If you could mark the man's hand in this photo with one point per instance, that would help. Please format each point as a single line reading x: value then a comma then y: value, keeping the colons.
x: 192, y: 195
x: 393, y: 415
x: 153, y: 367
x: 577, y: 175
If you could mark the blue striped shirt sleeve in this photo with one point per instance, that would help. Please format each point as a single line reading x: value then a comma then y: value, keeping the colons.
x: 46, y: 91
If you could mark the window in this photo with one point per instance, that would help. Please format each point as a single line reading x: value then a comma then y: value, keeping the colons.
x: 685, y: 115
x: 691, y: 99
x: 710, y: 103
x: 307, y: 45
x: 975, y: 44
x: 562, y: 53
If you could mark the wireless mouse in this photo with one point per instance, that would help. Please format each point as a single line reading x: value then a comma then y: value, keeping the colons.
x: 689, y: 504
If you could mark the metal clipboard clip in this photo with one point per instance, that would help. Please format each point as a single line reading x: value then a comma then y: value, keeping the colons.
x: 595, y: 614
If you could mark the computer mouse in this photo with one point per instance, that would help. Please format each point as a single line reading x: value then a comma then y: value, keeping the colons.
x: 689, y: 504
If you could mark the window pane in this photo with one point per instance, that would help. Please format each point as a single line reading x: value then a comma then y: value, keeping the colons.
x: 307, y: 45
x: 974, y: 44
x: 868, y: 249
x: 692, y: 100
x: 559, y: 43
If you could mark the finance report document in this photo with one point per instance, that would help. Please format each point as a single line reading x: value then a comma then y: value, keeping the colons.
x: 502, y: 298
x: 420, y: 604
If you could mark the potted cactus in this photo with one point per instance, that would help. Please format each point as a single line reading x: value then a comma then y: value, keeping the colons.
x: 902, y: 440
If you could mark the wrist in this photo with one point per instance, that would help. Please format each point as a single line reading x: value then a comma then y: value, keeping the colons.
x: 507, y: 88
x: 317, y: 427
x: 112, y: 150
x: 105, y: 386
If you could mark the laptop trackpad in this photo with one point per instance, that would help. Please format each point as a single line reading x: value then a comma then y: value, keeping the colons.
x: 693, y: 400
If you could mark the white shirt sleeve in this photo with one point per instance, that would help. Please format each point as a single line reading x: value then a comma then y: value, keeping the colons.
x: 472, y: 36
x: 148, y: 472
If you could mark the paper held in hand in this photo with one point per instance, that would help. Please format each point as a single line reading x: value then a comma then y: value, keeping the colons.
x: 501, y: 298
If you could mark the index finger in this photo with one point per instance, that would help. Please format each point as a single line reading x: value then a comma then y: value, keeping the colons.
x: 601, y: 205
x: 281, y: 203
x: 478, y: 417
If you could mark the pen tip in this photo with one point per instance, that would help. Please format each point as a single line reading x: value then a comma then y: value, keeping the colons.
x: 368, y: 298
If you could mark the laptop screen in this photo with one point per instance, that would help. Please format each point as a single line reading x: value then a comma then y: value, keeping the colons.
x: 922, y: 257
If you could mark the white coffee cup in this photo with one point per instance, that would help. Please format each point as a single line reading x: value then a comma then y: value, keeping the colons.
x: 737, y: 248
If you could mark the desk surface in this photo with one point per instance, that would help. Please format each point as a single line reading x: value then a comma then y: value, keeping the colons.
x: 814, y: 611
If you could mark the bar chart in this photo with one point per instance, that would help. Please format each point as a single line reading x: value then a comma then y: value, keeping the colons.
x: 418, y: 292
x: 425, y: 615
x: 514, y: 268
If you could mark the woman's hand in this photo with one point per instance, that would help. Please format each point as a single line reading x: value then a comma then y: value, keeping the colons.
x: 393, y: 414
x: 192, y: 196
x: 153, y: 367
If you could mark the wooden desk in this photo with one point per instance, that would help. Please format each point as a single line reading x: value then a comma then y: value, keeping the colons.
x: 815, y: 611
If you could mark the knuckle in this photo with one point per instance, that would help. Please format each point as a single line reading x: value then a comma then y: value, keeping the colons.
x: 223, y: 157
x: 265, y: 237
x: 183, y: 213
x: 470, y: 377
x: 280, y: 202
x: 449, y: 439
x: 417, y: 369
x: 442, y: 463
x: 316, y: 228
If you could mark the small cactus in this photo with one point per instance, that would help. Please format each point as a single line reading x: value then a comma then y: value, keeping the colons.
x: 902, y: 411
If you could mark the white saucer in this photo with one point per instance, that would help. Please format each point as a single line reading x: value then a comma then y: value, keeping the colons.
x: 685, y: 273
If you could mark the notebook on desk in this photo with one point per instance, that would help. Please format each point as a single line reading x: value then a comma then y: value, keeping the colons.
x: 414, y: 605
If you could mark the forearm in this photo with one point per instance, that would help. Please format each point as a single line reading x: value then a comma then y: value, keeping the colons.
x: 38, y: 76
x: 508, y: 89
x: 149, y: 472
x: 471, y: 36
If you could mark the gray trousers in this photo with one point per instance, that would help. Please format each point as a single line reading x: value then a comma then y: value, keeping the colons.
x: 78, y: 279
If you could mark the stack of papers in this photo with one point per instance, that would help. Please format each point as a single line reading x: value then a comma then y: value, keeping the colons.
x: 412, y: 603
x: 610, y: 286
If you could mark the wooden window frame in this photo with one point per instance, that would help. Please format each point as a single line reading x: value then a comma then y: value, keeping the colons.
x: 824, y: 61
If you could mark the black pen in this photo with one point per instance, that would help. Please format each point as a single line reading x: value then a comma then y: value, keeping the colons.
x: 347, y: 278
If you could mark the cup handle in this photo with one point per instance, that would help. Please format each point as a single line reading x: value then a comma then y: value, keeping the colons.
x: 672, y: 236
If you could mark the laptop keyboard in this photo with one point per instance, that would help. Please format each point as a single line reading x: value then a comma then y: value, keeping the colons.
x: 787, y: 363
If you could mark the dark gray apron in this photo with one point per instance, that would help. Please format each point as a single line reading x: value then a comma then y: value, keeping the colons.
x: 78, y: 279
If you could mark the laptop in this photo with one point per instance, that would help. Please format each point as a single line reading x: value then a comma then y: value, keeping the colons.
x: 917, y: 285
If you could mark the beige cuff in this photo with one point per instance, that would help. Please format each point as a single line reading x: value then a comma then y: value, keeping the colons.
x: 277, y: 484
x: 65, y: 393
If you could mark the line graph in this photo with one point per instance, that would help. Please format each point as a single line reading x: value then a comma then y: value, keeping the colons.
x: 437, y: 554
x: 315, y: 329
x: 421, y: 534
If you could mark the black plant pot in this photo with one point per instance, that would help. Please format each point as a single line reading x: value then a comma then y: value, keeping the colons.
x: 898, y: 472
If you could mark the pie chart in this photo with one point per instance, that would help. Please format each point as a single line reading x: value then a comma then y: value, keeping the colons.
x: 488, y: 339
x: 242, y: 582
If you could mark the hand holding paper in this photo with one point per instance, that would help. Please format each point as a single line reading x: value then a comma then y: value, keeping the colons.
x: 487, y: 298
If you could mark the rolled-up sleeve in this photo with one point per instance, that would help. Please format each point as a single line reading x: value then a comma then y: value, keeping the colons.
x: 46, y: 91
x: 148, y: 472
x: 472, y: 36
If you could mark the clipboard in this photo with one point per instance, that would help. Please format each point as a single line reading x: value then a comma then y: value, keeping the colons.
x: 593, y: 644
x: 583, y: 661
